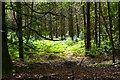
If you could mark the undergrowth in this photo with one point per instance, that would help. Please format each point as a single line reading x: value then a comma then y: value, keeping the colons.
x: 47, y: 48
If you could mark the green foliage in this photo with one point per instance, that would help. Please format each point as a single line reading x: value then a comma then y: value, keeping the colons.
x: 105, y: 48
x: 14, y: 53
x: 76, y: 47
x: 37, y: 46
x: 13, y: 50
x: 48, y: 48
x: 69, y: 43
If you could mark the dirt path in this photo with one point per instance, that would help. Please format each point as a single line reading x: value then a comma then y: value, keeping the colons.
x: 66, y: 70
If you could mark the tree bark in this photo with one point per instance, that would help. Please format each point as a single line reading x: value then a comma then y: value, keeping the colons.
x: 88, y: 44
x: 78, y: 29
x: 62, y: 20
x: 119, y: 21
x: 19, y: 24
x: 71, y: 30
x: 6, y: 60
x: 96, y: 37
x: 50, y: 27
x: 111, y: 37
x: 56, y: 30
x: 84, y: 18
x: 99, y: 25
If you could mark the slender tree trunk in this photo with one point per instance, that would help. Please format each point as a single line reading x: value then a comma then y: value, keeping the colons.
x: 77, y: 26
x: 62, y: 25
x: 50, y: 27
x: 109, y: 32
x: 71, y: 30
x: 111, y: 37
x: 56, y: 30
x: 88, y: 45
x: 96, y: 37
x: 78, y: 30
x: 84, y: 18
x: 56, y: 25
x: 19, y: 24
x: 6, y: 60
x: 45, y: 18
x: 105, y: 24
x: 99, y: 25
x: 119, y: 21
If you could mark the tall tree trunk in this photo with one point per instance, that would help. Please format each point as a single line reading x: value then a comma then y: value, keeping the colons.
x: 71, y: 30
x: 62, y: 20
x: 84, y: 18
x: 19, y: 24
x: 45, y: 18
x: 99, y: 25
x: 88, y: 45
x: 56, y: 24
x: 50, y: 23
x: 119, y: 21
x: 56, y: 30
x: 78, y: 30
x: 96, y: 37
x: 6, y: 60
x: 50, y: 27
x: 111, y: 37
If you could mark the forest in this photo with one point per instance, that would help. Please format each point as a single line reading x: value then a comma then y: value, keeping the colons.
x: 61, y: 40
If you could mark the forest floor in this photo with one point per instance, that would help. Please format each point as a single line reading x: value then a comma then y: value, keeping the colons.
x: 73, y: 68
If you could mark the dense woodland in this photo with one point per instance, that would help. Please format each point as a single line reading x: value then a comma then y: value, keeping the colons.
x: 61, y: 40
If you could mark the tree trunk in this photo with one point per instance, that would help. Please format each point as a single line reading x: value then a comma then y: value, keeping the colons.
x: 111, y: 37
x: 99, y: 25
x: 96, y: 37
x: 88, y: 44
x: 119, y: 21
x: 19, y: 24
x: 77, y: 26
x: 56, y: 30
x: 62, y: 20
x: 84, y: 18
x: 71, y: 30
x: 50, y: 27
x: 6, y: 60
